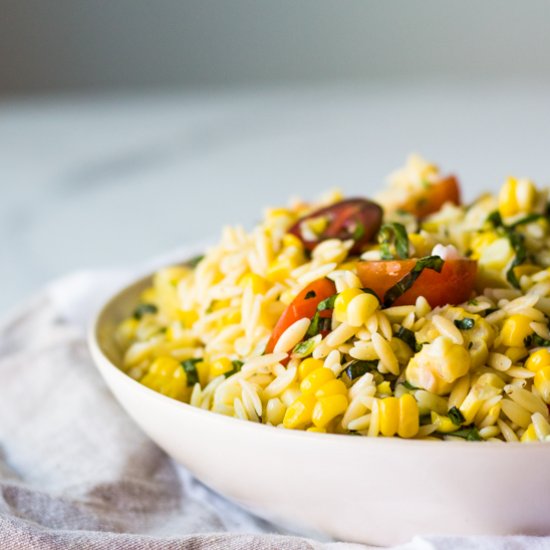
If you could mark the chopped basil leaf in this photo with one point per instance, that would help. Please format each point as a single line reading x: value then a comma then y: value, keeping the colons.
x: 370, y: 291
x: 518, y: 244
x: 456, y: 416
x: 193, y: 262
x: 495, y: 219
x: 408, y: 385
x: 398, y: 289
x: 396, y: 234
x: 407, y: 336
x: 318, y: 324
x: 468, y: 433
x: 327, y: 303
x: 304, y: 348
x: 143, y: 309
x: 189, y: 366
x: 464, y: 324
x: 310, y: 294
x: 536, y: 341
x: 473, y: 302
x: 517, y: 241
x: 527, y: 219
x: 356, y: 369
x: 313, y: 326
x: 237, y: 365
x: 358, y: 232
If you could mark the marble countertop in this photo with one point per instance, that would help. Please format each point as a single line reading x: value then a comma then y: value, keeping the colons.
x: 112, y: 180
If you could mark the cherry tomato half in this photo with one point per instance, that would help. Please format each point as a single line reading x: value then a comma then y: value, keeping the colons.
x: 434, y: 197
x: 357, y: 219
x: 304, y: 305
x: 453, y: 285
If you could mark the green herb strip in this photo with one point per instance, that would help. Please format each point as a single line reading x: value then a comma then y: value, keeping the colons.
x: 528, y: 219
x: 517, y: 241
x: 434, y: 263
x: 464, y: 324
x: 407, y: 336
x: 144, y: 309
x: 310, y: 294
x: 536, y: 341
x: 408, y: 385
x: 305, y: 347
x: 237, y: 365
x: 396, y: 234
x: 193, y: 262
x: 358, y: 232
x: 457, y: 418
x: 318, y: 324
x: 189, y: 366
x: 370, y: 291
x: 327, y: 303
x: 468, y: 433
x: 356, y: 369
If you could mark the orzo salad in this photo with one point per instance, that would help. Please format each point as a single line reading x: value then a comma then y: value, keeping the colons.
x: 408, y: 314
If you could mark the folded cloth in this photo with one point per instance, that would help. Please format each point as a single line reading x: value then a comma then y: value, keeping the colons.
x: 75, y: 472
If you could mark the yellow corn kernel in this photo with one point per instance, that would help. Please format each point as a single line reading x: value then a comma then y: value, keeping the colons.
x: 126, y: 331
x: 538, y: 360
x: 342, y: 302
x: 388, y: 414
x: 333, y: 387
x: 328, y: 408
x: 187, y: 317
x: 317, y: 430
x: 298, y: 415
x: 444, y: 424
x: 529, y: 434
x: 525, y: 269
x: 315, y: 379
x: 507, y: 201
x: 542, y: 383
x: 255, y: 282
x: 383, y: 388
x: 480, y: 241
x: 408, y: 416
x: 317, y: 225
x: 220, y: 366
x: 516, y: 354
x: 309, y: 365
x: 360, y: 308
x: 497, y: 255
x: 167, y: 376
x: 291, y: 240
x: 515, y: 329
x: 421, y: 245
x: 516, y: 197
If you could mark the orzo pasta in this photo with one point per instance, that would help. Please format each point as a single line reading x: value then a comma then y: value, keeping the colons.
x: 414, y: 316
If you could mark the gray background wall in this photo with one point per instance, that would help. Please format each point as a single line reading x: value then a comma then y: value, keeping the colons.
x: 89, y: 44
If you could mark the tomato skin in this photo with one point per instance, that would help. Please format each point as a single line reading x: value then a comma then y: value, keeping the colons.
x: 301, y: 307
x: 343, y: 217
x: 453, y: 285
x: 445, y: 190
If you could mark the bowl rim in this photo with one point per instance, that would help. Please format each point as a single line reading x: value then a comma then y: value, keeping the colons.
x: 100, y: 356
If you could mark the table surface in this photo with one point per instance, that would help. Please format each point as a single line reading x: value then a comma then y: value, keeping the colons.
x: 112, y: 180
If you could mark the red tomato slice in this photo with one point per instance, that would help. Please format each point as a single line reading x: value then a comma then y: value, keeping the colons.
x: 304, y: 305
x: 356, y: 219
x: 435, y: 196
x: 453, y: 285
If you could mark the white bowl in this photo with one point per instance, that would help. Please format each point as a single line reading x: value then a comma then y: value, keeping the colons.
x: 373, y: 490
